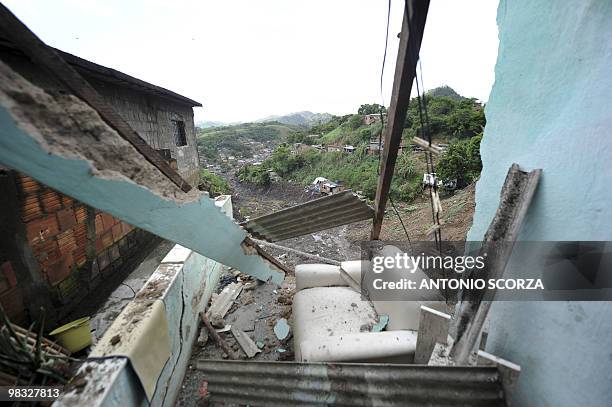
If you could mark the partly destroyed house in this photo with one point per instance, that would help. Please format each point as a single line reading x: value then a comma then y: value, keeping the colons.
x: 562, y: 346
x: 65, y: 248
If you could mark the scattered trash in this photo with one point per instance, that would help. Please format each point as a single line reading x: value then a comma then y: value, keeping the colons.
x: 228, y: 351
x: 246, y: 343
x: 317, y: 238
x: 383, y: 320
x: 281, y: 350
x: 203, y: 390
x: 224, y: 329
x: 260, y: 344
x: 203, y: 337
x: 281, y: 329
x: 115, y: 340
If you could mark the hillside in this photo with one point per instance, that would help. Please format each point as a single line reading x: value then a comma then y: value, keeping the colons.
x: 302, y: 119
x: 240, y: 140
x: 457, y: 122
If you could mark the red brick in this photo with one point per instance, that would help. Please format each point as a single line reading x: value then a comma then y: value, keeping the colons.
x: 107, y: 239
x: 51, y: 201
x: 99, y: 245
x: 66, y: 219
x: 58, y: 271
x: 126, y: 228
x: 47, y: 252
x: 107, y: 220
x: 42, y: 229
x: 80, y: 256
x: 117, y: 232
x: 80, y: 235
x: 9, y: 274
x: 28, y: 184
x: 81, y: 214
x: 99, y: 225
x: 31, y: 208
x: 67, y: 201
x: 66, y: 242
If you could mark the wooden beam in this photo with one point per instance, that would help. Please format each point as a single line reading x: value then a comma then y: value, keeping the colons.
x: 49, y: 60
x: 413, y: 26
x: 516, y: 196
x: 425, y: 144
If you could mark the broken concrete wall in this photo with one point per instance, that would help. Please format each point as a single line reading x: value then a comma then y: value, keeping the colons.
x: 184, y: 282
x: 550, y: 109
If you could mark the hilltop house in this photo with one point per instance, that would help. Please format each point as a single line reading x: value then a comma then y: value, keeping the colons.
x: 372, y: 118
x: 60, y: 250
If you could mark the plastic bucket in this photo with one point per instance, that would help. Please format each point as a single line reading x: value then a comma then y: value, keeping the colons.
x: 75, y: 335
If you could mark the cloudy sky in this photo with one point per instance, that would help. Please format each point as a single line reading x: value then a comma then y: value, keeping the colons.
x: 245, y: 59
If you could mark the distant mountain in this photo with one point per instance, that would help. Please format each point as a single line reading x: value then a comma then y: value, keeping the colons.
x: 205, y: 124
x: 302, y: 119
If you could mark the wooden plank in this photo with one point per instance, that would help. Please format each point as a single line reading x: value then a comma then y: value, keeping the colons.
x: 516, y: 196
x: 413, y: 26
x: 49, y: 60
x: 425, y: 144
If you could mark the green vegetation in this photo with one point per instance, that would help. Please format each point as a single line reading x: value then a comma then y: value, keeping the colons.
x: 461, y: 161
x: 213, y: 183
x: 254, y: 174
x: 448, y: 118
x: 452, y: 119
x: 374, y: 108
x: 234, y: 140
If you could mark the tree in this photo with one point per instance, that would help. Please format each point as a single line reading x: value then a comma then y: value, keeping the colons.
x: 461, y: 161
x: 254, y: 174
x: 374, y: 108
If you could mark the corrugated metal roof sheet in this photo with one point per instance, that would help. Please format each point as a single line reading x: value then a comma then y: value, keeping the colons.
x: 350, y: 384
x: 319, y: 214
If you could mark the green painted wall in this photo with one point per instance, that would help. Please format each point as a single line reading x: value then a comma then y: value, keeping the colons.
x: 551, y: 108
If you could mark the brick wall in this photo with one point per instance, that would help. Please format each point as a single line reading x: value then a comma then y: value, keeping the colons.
x: 74, y: 247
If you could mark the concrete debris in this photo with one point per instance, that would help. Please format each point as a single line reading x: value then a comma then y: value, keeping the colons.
x: 217, y: 321
x: 246, y: 343
x: 224, y: 329
x: 281, y: 329
x: 383, y: 320
x: 222, y: 303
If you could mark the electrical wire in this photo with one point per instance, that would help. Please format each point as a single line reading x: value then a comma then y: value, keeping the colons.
x: 382, y: 122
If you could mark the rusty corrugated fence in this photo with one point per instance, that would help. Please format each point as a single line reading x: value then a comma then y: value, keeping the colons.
x: 350, y: 384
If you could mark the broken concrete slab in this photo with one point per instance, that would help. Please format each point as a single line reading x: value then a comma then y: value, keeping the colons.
x: 246, y: 343
x: 243, y: 317
x: 433, y: 328
x: 281, y: 329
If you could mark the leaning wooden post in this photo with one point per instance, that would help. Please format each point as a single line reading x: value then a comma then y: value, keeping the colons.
x: 516, y: 196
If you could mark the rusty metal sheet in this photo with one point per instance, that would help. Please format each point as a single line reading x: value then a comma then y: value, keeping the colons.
x: 351, y: 384
x: 313, y: 216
